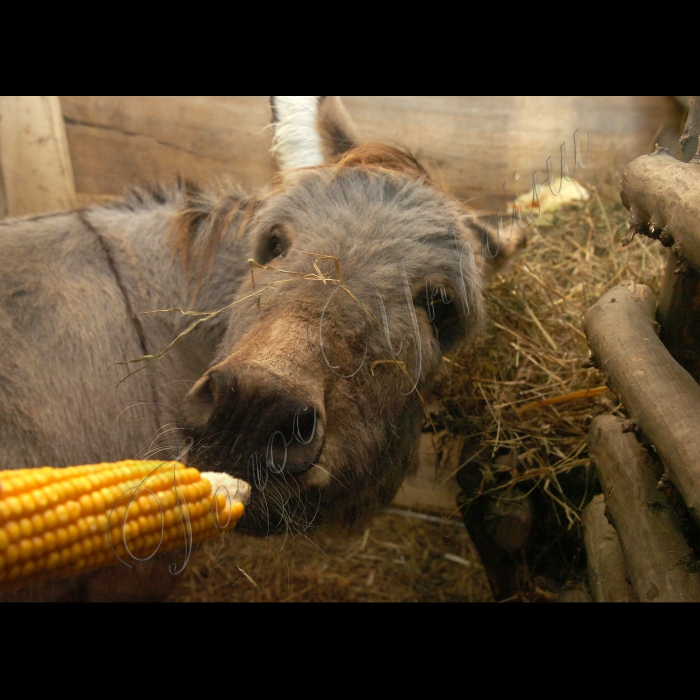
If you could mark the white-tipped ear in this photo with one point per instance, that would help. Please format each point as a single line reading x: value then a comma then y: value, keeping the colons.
x: 297, y: 142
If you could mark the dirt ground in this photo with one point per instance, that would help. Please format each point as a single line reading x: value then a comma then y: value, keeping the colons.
x: 397, y: 559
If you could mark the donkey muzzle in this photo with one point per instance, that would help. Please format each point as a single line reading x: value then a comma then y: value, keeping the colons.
x: 253, y: 424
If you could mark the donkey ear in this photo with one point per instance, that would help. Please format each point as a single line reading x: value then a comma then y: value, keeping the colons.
x: 310, y: 130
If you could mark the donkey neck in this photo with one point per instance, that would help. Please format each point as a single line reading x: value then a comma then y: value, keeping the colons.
x: 153, y: 278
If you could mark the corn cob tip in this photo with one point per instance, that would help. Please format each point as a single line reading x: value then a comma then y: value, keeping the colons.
x: 235, y: 489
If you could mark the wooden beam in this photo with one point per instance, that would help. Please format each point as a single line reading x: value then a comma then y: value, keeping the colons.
x: 606, y: 566
x: 3, y: 198
x: 679, y: 316
x: 663, y: 195
x: 660, y: 564
x: 662, y: 399
x: 689, y: 138
x: 36, y: 164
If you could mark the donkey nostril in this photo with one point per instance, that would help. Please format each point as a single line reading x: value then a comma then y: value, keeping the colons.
x: 305, y: 425
x: 292, y: 452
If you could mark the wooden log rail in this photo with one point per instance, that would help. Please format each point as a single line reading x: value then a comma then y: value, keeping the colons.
x: 660, y: 565
x: 689, y: 137
x: 663, y: 195
x: 607, y: 574
x: 662, y: 399
x: 679, y: 315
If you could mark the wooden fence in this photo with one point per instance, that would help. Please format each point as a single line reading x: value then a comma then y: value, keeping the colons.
x: 649, y: 466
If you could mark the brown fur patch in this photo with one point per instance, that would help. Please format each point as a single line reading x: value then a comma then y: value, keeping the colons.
x: 199, y: 227
x: 378, y: 156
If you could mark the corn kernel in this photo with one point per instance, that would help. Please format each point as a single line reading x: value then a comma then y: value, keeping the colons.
x: 12, y: 555
x: 28, y: 503
x: 25, y: 526
x: 14, y: 531
x: 38, y: 524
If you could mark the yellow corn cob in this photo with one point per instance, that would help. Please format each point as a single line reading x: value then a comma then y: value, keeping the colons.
x: 61, y: 522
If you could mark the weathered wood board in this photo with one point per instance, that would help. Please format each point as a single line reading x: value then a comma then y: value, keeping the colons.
x: 37, y: 172
x: 477, y: 142
x: 118, y: 140
x: 3, y: 200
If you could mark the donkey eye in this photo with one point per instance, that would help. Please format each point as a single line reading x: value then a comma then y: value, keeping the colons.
x: 444, y: 317
x: 276, y: 246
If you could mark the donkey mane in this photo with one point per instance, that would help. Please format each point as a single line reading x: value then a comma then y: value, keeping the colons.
x: 203, y: 219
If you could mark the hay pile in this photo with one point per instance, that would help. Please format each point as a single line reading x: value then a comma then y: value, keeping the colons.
x: 522, y: 392
x: 524, y: 399
x: 526, y: 389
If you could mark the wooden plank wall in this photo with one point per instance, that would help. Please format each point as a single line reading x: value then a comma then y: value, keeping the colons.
x: 117, y: 140
x: 475, y: 142
x: 478, y: 142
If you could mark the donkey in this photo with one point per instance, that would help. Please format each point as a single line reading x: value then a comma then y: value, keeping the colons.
x: 326, y: 303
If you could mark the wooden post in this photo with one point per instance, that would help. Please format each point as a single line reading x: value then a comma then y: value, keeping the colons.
x: 660, y: 564
x: 662, y: 398
x: 679, y: 316
x: 663, y: 195
x: 499, y: 527
x: 36, y: 164
x: 606, y: 566
x: 689, y: 139
x: 3, y: 198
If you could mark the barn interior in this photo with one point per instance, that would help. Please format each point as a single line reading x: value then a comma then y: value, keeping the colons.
x: 496, y: 512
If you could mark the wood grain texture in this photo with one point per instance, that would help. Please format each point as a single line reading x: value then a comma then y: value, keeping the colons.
x: 118, y: 141
x: 3, y: 198
x: 660, y: 565
x: 663, y: 196
x: 689, y: 137
x: 662, y: 399
x: 679, y: 316
x: 36, y: 163
x: 606, y: 565
x: 478, y: 142
x: 475, y: 142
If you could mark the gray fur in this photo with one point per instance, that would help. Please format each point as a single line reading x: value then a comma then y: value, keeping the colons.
x: 73, y: 286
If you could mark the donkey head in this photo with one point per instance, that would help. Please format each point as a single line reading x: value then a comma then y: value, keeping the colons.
x: 363, y: 274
